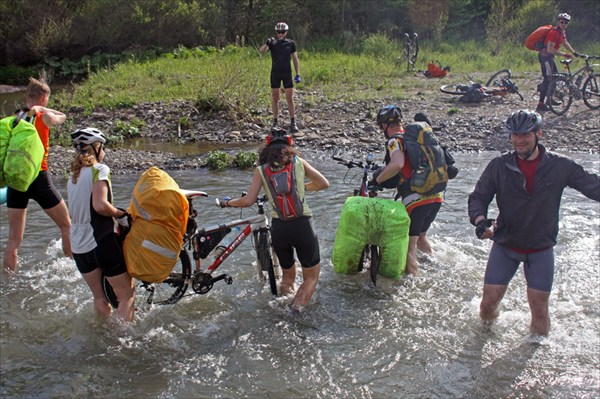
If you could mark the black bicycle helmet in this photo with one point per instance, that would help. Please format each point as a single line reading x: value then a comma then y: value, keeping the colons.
x: 279, y: 136
x: 389, y: 114
x: 86, y: 136
x: 564, y: 15
x: 523, y: 121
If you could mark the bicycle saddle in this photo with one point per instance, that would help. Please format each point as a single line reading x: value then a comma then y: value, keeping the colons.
x: 193, y: 193
x: 566, y: 62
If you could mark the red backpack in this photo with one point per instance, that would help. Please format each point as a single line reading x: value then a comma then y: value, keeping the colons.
x: 535, y: 41
x: 282, y: 186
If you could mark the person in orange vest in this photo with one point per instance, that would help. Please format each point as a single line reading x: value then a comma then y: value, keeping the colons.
x: 554, y: 38
x: 42, y: 189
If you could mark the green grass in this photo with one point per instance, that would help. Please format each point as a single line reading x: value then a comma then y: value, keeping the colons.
x: 235, y: 80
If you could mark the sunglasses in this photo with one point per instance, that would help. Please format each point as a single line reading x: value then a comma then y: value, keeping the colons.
x: 562, y: 21
x: 281, y: 32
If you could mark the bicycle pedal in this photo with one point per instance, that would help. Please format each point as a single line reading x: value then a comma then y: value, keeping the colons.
x: 228, y: 279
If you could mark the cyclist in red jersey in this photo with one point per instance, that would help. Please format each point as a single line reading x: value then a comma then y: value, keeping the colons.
x: 528, y: 184
x: 42, y: 189
x: 282, y: 50
x: 554, y: 39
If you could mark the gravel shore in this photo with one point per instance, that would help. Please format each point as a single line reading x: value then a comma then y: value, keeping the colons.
x: 330, y: 126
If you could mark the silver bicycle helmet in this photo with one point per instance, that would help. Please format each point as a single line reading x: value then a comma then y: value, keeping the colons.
x: 523, y: 121
x: 86, y: 136
x: 564, y: 15
x: 389, y: 114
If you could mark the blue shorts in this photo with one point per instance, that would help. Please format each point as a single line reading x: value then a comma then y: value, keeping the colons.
x: 538, y: 267
x: 108, y: 256
x: 42, y: 191
x: 299, y: 234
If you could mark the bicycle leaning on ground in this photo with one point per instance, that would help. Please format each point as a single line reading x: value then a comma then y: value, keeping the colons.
x: 369, y: 259
x: 566, y: 86
x: 201, y: 242
x: 499, y: 84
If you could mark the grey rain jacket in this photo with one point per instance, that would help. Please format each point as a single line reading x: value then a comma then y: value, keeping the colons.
x: 529, y: 221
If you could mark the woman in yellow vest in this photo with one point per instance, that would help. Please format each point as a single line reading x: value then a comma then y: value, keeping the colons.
x: 281, y: 175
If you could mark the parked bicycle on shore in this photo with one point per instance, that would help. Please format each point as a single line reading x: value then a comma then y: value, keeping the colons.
x: 369, y: 260
x: 565, y: 87
x: 410, y: 51
x: 201, y: 242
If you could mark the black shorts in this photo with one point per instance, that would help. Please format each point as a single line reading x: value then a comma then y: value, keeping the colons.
x: 278, y: 77
x: 299, y: 234
x: 42, y: 191
x: 421, y: 218
x: 108, y: 256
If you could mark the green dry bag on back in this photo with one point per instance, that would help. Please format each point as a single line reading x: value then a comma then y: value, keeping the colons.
x: 374, y: 221
x: 21, y: 153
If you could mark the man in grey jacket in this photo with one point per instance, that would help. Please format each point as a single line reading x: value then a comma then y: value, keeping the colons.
x: 528, y: 184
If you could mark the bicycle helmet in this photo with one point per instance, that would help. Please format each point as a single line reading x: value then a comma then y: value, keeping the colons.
x: 281, y: 27
x: 523, y: 121
x: 389, y: 114
x: 279, y: 136
x: 564, y: 15
x: 86, y: 136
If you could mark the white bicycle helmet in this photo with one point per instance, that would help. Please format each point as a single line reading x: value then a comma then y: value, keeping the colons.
x: 86, y: 136
x: 281, y: 26
x: 523, y: 121
x: 564, y: 15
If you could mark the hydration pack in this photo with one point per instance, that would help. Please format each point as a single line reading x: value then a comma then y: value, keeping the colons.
x: 283, y: 190
x: 427, y: 159
x: 21, y: 153
x: 535, y: 40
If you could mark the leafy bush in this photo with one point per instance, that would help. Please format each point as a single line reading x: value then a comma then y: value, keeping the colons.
x: 217, y: 160
x: 245, y: 160
x: 379, y: 45
x: 14, y: 75
x: 128, y: 129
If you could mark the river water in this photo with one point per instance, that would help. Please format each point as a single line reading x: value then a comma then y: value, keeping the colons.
x: 419, y: 337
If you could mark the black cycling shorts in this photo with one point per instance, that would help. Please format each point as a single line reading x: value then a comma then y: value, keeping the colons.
x: 108, y: 256
x: 278, y: 77
x: 299, y: 234
x: 42, y: 191
x: 421, y: 218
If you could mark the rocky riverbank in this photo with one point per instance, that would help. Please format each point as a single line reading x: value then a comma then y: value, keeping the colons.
x: 343, y: 127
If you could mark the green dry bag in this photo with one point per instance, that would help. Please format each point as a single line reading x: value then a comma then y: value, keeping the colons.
x: 21, y: 155
x: 374, y: 221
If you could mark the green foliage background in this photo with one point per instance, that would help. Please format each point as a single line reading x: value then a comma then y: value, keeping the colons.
x: 73, y: 29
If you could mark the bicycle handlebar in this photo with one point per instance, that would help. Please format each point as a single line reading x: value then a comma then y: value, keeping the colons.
x: 351, y: 164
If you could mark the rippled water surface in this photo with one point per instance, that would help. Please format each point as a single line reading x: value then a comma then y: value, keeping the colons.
x: 417, y: 337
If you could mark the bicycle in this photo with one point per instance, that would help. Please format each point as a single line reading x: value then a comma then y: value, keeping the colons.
x: 410, y: 50
x: 499, y: 84
x: 564, y: 87
x: 201, y: 242
x: 369, y: 259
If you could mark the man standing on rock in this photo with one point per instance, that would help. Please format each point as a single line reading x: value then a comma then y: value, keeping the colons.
x: 528, y: 184
x: 282, y: 50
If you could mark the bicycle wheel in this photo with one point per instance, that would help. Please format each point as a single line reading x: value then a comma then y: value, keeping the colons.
x: 560, y: 95
x: 265, y: 259
x: 591, y: 91
x: 406, y: 50
x: 374, y: 263
x: 454, y: 89
x: 415, y: 50
x: 496, y: 79
x: 169, y: 291
x: 172, y: 289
